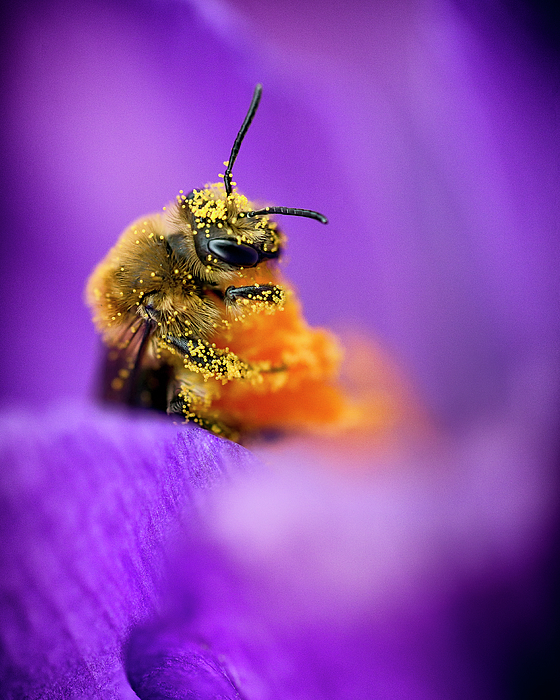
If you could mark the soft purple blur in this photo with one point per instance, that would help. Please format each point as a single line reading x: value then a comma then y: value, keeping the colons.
x: 426, y: 130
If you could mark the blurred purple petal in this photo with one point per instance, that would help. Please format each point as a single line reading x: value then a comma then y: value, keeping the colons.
x: 162, y: 665
x: 421, y: 581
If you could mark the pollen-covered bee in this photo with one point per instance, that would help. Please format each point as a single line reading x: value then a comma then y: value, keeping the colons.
x: 199, y: 322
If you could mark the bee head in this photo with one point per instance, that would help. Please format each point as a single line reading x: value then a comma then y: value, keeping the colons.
x: 228, y: 233
x: 224, y: 233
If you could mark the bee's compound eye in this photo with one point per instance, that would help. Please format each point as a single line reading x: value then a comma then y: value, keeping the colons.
x: 232, y: 253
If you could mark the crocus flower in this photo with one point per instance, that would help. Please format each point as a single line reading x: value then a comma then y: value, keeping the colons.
x: 142, y: 558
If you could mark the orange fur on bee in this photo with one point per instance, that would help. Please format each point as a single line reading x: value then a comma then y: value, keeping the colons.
x: 301, y: 389
x: 306, y: 391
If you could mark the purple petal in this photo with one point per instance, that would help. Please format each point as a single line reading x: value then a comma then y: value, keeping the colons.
x: 89, y: 502
x: 163, y: 664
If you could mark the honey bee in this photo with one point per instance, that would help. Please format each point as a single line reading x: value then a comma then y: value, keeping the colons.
x: 182, y: 289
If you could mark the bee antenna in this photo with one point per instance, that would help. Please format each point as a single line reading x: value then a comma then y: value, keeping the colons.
x: 241, y: 135
x: 291, y: 212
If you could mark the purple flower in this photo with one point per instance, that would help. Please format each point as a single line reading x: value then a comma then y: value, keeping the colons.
x: 152, y: 560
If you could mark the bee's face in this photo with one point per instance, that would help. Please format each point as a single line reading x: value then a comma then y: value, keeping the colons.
x: 224, y: 236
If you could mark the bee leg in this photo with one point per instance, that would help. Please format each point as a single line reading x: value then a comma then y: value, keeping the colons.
x: 269, y: 294
x: 193, y: 403
x: 203, y: 357
x: 187, y: 397
x: 178, y: 406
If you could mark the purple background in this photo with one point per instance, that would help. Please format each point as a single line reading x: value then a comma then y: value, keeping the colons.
x: 427, y: 131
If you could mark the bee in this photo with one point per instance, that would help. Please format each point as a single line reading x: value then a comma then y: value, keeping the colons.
x: 184, y: 302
